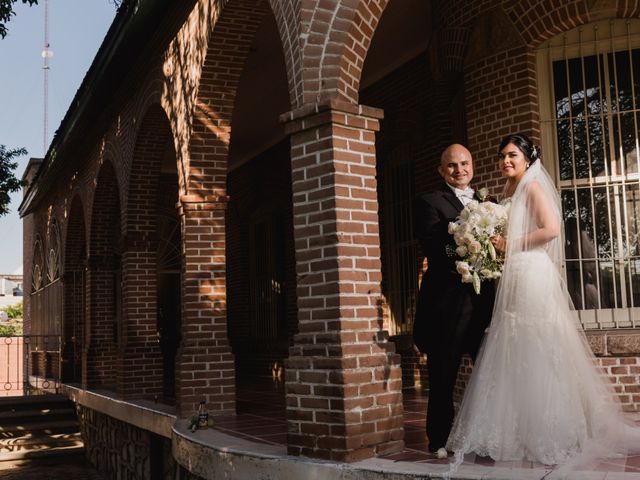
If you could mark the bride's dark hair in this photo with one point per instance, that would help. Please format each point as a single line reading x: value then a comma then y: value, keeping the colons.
x: 524, y: 144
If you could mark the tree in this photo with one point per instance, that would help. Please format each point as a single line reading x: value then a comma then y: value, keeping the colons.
x: 6, y: 12
x: 14, y: 312
x: 8, y: 182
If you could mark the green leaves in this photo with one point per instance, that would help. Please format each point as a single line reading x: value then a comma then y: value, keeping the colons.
x: 13, y: 328
x: 6, y: 12
x: 8, y: 181
x: 14, y: 311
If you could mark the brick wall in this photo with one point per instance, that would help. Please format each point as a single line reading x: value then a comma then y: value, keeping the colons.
x: 501, y: 97
x: 100, y: 335
x: 141, y: 356
x: 624, y: 373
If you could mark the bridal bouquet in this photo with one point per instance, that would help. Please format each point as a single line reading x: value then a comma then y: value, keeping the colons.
x: 471, y: 231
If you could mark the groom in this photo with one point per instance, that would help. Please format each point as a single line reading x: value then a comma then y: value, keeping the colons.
x: 450, y: 318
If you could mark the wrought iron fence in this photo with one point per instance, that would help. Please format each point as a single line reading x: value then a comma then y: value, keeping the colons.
x: 29, y: 364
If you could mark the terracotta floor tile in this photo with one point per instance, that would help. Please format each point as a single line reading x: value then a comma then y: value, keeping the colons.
x: 262, y: 418
x: 633, y: 461
x: 408, y: 456
x: 417, y: 447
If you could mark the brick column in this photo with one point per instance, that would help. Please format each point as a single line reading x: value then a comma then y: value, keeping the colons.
x: 343, y: 378
x: 140, y: 361
x: 99, y: 354
x: 205, y: 367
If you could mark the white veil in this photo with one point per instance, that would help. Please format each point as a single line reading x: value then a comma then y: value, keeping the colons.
x: 522, y: 221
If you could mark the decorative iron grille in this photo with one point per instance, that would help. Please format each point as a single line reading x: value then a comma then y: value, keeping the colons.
x: 400, y: 283
x: 268, y: 319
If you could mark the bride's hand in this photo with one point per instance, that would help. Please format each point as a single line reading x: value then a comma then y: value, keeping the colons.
x: 499, y: 243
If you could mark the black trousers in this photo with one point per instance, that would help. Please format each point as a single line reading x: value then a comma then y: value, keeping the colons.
x: 443, y: 362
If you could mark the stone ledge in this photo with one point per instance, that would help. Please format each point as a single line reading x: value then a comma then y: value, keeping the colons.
x: 144, y: 414
x: 612, y: 343
x: 212, y: 454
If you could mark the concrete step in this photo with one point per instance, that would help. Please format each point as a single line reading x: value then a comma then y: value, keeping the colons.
x: 45, y: 452
x: 32, y: 401
x: 31, y: 441
x: 39, y: 426
x: 44, y: 425
x: 59, y: 412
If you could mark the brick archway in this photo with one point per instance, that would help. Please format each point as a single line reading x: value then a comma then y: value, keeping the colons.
x: 140, y: 360
x: 335, y: 47
x: 287, y: 18
x: 101, y: 286
x: 75, y: 263
x: 203, y: 209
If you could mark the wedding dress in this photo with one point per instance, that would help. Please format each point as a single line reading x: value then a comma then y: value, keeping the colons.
x: 535, y: 392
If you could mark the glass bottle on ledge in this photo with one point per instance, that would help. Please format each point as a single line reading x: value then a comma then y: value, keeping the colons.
x: 203, y: 416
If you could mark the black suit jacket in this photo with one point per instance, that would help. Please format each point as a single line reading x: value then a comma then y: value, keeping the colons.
x: 449, y: 314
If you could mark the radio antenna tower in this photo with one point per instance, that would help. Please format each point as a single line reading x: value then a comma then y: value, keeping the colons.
x: 46, y: 55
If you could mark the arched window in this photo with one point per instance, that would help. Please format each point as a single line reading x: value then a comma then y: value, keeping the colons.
x: 53, y: 253
x: 589, y: 81
x: 38, y: 266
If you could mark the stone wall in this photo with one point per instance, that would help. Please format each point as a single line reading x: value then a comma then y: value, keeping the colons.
x: 120, y: 450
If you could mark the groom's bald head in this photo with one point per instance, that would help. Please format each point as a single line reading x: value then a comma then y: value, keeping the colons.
x: 456, y: 166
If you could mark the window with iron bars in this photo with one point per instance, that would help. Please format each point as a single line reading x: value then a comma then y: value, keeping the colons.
x: 400, y: 249
x: 589, y: 84
x: 268, y: 314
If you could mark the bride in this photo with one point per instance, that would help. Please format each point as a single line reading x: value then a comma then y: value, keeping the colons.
x: 535, y: 392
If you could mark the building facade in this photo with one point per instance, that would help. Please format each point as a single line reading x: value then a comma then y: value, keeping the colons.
x: 228, y: 199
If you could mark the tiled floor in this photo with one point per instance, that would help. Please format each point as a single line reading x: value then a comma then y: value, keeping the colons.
x: 261, y: 418
x: 261, y: 415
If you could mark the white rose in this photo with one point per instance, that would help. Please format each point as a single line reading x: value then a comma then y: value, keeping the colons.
x: 452, y: 228
x: 462, y: 268
x: 474, y: 246
x: 483, y: 192
x: 467, y: 278
x: 461, y: 250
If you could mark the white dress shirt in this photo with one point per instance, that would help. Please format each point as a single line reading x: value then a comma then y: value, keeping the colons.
x: 465, y: 196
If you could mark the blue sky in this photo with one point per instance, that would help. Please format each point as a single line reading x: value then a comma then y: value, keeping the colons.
x: 76, y: 30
